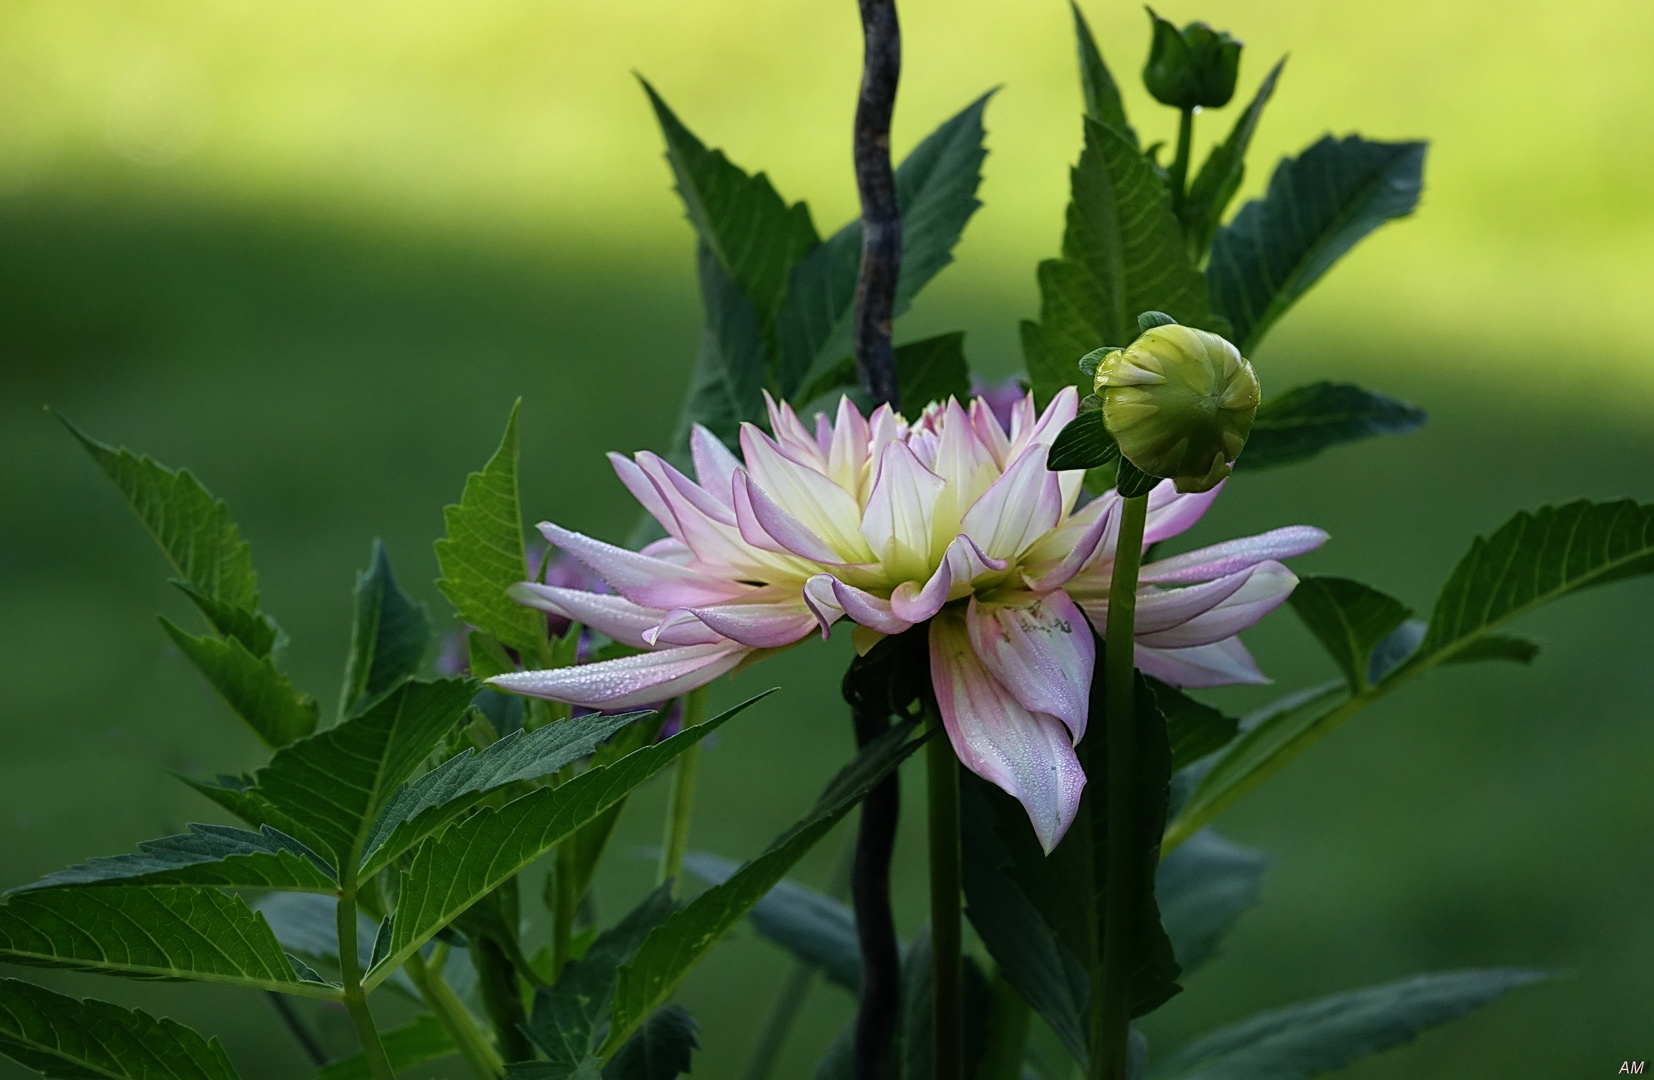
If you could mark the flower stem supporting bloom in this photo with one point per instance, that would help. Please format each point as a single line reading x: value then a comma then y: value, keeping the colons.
x: 1178, y: 177
x: 942, y: 769
x: 1111, y: 987
x: 680, y: 806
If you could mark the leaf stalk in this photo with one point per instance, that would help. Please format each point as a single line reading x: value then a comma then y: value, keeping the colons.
x: 350, y: 973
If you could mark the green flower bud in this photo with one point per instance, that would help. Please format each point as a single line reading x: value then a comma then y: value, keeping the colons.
x: 1180, y: 403
x: 1191, y: 68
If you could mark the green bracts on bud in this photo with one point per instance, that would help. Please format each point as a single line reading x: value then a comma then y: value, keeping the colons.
x: 1192, y: 68
x: 1180, y: 403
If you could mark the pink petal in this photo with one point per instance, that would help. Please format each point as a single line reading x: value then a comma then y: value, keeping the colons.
x: 1028, y: 754
x: 1222, y: 663
x: 676, y: 487
x: 768, y: 625
x: 714, y: 464
x: 641, y: 579
x: 915, y: 603
x: 644, y: 491
x: 897, y: 519
x: 1041, y: 649
x: 1264, y: 588
x: 615, y: 616
x: 868, y: 610
x: 1104, y: 525
x: 1233, y: 555
x: 818, y: 594
x: 1171, y: 513
x: 1056, y: 416
x: 631, y: 680
x: 848, y: 453
x: 669, y: 548
x: 1163, y: 609
x: 988, y: 431
x: 764, y: 524
x: 1022, y: 506
x: 795, y: 441
x: 823, y: 507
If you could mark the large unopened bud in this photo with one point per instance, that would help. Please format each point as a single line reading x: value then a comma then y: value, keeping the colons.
x: 1180, y: 403
x: 1192, y: 68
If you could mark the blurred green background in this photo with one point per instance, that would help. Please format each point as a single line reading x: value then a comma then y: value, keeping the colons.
x: 314, y: 251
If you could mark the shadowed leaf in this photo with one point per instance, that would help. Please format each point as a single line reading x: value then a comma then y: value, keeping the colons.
x: 252, y: 686
x: 388, y: 638
x: 61, y: 1037
x: 206, y: 855
x: 1349, y: 619
x: 1302, y: 422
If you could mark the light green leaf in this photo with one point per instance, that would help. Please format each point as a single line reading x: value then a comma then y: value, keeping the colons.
x: 932, y: 370
x: 1532, y: 559
x: 482, y: 554
x: 646, y: 983
x: 252, y: 686
x: 1102, y: 96
x: 1221, y: 176
x: 1122, y: 254
x: 388, y: 638
x: 420, y: 1040
x: 936, y: 192
x: 61, y: 1037
x: 1320, y: 1036
x: 464, y: 863
x: 206, y: 855
x: 156, y: 932
x: 1318, y: 206
x: 426, y: 805
x: 1349, y: 619
x: 331, y: 786
x: 1300, y: 423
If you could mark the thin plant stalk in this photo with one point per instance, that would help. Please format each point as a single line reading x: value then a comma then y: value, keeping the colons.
x: 942, y: 774
x: 1179, y: 175
x: 350, y: 973
x: 680, y: 804
x: 455, y: 1018
x: 298, y: 1028
x: 1111, y: 985
x: 564, y: 907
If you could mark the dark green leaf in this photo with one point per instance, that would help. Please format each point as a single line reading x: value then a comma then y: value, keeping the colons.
x: 1305, y: 420
x: 420, y: 1040
x: 61, y: 1037
x: 252, y: 686
x: 332, y: 785
x: 1084, y: 444
x: 1221, y: 176
x: 814, y: 928
x: 1518, y: 650
x: 1532, y: 559
x: 677, y: 945
x: 1349, y: 619
x: 1130, y: 481
x: 1306, y: 1040
x: 1194, y: 728
x: 915, y: 1050
x: 455, y: 869
x: 252, y: 628
x: 727, y: 385
x: 932, y: 370
x: 660, y: 1050
x: 1272, y: 737
x: 936, y: 192
x: 482, y: 554
x: 1203, y: 887
x: 425, y: 805
x: 206, y: 855
x: 1318, y: 206
x: 388, y: 638
x: 157, y: 932
x: 1102, y: 96
x: 1122, y: 254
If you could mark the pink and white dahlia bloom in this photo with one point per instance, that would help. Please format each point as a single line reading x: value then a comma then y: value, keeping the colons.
x: 888, y: 523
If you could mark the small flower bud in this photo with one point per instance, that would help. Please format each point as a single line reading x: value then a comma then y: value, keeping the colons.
x: 1191, y: 68
x: 1180, y: 403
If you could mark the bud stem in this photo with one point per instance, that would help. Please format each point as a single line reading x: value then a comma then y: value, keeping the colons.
x: 1111, y: 991
x: 1180, y: 165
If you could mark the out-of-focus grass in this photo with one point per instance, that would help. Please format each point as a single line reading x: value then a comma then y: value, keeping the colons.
x: 314, y: 253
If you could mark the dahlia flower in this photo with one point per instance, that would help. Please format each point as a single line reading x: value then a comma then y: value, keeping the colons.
x: 950, y: 519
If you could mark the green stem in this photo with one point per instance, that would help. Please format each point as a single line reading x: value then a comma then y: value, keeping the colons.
x: 942, y: 790
x: 1111, y: 985
x: 565, y: 906
x: 502, y: 998
x: 350, y: 972
x: 1180, y: 164
x: 680, y: 807
x: 455, y: 1018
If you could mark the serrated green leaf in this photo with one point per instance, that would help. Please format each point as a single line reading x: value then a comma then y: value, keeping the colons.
x: 1318, y: 206
x: 464, y: 863
x: 258, y: 693
x: 1102, y: 96
x: 1349, y: 619
x: 672, y: 949
x: 215, y: 855
x: 420, y: 1040
x: 1203, y: 887
x: 430, y: 802
x: 62, y: 1037
x: 482, y: 554
x: 660, y: 1050
x: 1122, y: 254
x: 388, y: 638
x: 1193, y: 728
x: 1220, y: 177
x: 813, y: 927
x: 331, y: 786
x: 1317, y: 1037
x: 252, y: 628
x: 1532, y: 559
x: 936, y: 192
x: 726, y: 387
x: 1302, y: 422
x: 235, y: 794
x: 153, y: 932
x: 193, y: 529
x: 933, y: 369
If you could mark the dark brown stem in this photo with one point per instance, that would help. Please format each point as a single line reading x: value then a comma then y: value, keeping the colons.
x: 881, y: 965
x: 881, y: 218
